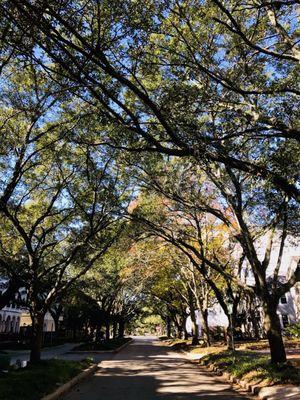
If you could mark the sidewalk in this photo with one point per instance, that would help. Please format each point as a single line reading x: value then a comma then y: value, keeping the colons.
x: 61, y: 351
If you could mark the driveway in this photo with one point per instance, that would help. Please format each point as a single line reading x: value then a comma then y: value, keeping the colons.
x: 147, y: 370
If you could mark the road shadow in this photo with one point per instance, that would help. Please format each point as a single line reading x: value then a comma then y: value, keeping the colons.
x: 150, y: 371
x: 117, y: 384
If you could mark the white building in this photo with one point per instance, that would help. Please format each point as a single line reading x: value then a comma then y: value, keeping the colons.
x: 13, y: 317
x: 289, y: 304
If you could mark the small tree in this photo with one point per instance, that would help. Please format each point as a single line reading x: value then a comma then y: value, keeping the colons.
x: 64, y: 222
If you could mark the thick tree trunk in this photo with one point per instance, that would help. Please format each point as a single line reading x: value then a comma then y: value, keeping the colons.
x: 98, y: 333
x: 121, y: 329
x: 37, y: 337
x: 195, y: 328
x: 168, y: 327
x: 230, y: 331
x: 254, y: 324
x: 195, y: 338
x: 229, y: 338
x: 178, y: 329
x: 274, y: 335
x: 115, y: 326
x: 186, y: 335
x: 107, y: 330
x: 56, y: 324
x: 179, y: 332
x: 205, y: 328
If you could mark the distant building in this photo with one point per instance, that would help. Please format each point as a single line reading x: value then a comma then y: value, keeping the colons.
x: 13, y: 317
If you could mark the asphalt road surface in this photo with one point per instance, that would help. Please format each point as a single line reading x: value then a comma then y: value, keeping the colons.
x: 147, y: 370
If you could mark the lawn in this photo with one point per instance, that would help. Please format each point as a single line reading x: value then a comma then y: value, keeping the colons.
x: 253, y: 367
x: 34, y: 382
x: 111, y: 344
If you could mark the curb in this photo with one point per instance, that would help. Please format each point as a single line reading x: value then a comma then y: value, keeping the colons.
x: 63, y: 389
x: 101, y: 351
x: 276, y: 392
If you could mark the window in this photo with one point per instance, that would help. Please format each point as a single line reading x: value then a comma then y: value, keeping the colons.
x: 285, y: 320
x: 283, y: 299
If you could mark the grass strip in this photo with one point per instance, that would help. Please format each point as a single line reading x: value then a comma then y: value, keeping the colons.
x: 35, y: 381
x: 253, y: 367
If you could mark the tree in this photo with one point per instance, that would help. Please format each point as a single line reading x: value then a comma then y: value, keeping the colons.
x: 164, y: 276
x: 62, y: 234
x: 245, y: 214
x: 33, y: 126
x: 81, y: 314
x: 200, y: 291
x: 203, y: 242
x: 207, y: 80
x: 112, y: 291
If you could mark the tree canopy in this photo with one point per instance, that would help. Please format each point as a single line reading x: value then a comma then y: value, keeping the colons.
x: 146, y: 148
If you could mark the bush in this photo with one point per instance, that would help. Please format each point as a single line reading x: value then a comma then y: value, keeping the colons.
x: 293, y: 330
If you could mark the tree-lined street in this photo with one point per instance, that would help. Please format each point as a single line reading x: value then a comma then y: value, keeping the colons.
x: 149, y: 184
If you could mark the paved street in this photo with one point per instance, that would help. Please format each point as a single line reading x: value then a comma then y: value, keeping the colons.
x: 146, y: 370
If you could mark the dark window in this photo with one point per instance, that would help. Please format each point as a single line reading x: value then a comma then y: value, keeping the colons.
x: 283, y: 299
x: 285, y: 320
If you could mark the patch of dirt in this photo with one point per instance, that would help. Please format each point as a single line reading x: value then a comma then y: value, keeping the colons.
x: 207, y: 350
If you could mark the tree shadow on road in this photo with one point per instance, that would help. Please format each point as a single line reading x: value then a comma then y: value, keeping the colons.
x: 153, y: 372
x: 132, y: 384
